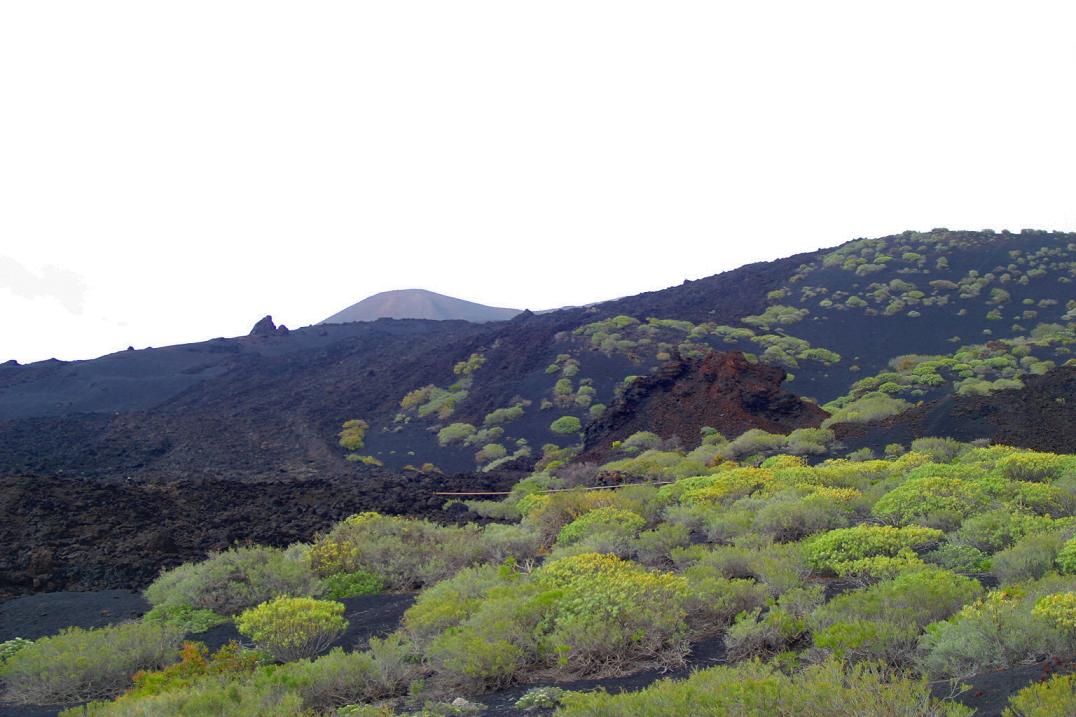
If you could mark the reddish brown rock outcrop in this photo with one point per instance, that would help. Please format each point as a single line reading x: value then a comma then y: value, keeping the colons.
x: 723, y: 390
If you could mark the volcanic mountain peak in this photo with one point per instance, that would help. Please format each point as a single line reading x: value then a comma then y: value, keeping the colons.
x: 419, y: 304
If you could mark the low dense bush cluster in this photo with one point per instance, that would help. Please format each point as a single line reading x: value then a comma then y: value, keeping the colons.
x: 404, y: 554
x: 79, y: 665
x: 754, y: 689
x: 235, y: 580
x: 836, y: 588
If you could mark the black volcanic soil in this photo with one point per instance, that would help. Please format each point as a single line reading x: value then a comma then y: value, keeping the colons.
x: 35, y: 616
x: 83, y: 534
x: 723, y: 390
x: 1041, y: 416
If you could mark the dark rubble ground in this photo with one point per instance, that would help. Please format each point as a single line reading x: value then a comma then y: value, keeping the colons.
x: 44, y: 614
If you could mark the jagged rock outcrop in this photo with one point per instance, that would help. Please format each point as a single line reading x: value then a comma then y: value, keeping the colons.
x: 264, y: 327
x: 723, y: 390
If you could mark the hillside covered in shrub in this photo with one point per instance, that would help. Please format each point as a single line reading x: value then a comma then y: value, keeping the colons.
x: 902, y: 585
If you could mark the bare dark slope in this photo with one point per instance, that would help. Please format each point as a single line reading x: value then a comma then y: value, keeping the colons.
x: 83, y: 534
x: 419, y: 304
x: 1041, y: 416
x: 270, y: 406
x: 265, y: 410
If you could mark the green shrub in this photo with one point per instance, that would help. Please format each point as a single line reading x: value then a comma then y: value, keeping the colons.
x: 641, y: 441
x: 1066, y: 558
x: 754, y: 441
x: 10, y: 647
x: 1056, y: 696
x: 776, y: 315
x: 779, y: 567
x: 583, y: 614
x: 940, y: 450
x: 293, y: 628
x: 491, y: 452
x: 503, y: 634
x: 77, y: 665
x: 870, y: 407
x: 212, y: 697
x: 858, y: 640
x: 915, y: 598
x: 998, y: 529
x: 234, y: 580
x: 616, y: 522
x: 353, y: 435
x: 1036, y: 466
x: 958, y: 558
x: 758, y: 634
x: 833, y: 550
x: 791, y: 517
x: 713, y: 600
x: 611, y: 611
x: 753, y: 689
x: 451, y: 601
x: 995, y: 632
x: 476, y: 660
x: 501, y: 542
x: 537, y: 698
x: 765, y: 636
x: 1029, y: 559
x: 339, y: 678
x: 404, y: 553
x: 1059, y: 610
x: 185, y: 617
x: 879, y: 567
x: 503, y: 415
x: 455, y: 433
x: 566, y: 425
x: 346, y: 585
x: 931, y: 500
x: 654, y: 547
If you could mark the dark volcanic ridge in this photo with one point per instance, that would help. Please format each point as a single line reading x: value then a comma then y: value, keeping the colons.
x: 104, y: 438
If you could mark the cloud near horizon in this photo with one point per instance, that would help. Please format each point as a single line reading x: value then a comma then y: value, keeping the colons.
x: 53, y: 282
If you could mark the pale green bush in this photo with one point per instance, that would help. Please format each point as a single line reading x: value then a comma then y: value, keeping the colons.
x: 1029, y: 559
x: 915, y: 598
x: 234, y: 580
x: 995, y: 632
x: 404, y: 553
x: 753, y: 689
x: 79, y: 665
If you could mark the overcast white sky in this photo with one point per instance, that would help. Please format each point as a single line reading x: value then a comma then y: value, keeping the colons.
x: 171, y: 172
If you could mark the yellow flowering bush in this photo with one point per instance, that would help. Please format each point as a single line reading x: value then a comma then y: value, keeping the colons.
x: 1032, y: 466
x: 612, y: 610
x: 293, y: 628
x: 1059, y: 609
x: 937, y: 499
x: 727, y: 486
x: 833, y: 550
x: 601, y: 520
x: 1056, y: 696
